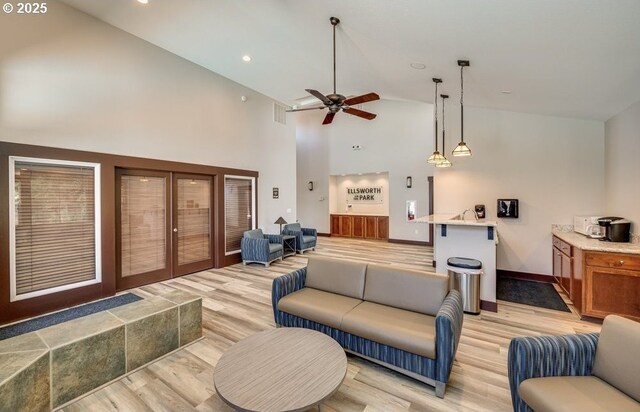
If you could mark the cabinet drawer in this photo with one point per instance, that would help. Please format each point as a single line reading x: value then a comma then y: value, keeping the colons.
x: 614, y: 260
x: 556, y: 242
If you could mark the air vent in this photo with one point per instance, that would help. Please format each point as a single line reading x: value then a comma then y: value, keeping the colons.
x: 279, y: 113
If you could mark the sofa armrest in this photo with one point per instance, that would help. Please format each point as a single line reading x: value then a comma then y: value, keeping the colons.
x: 284, y: 285
x: 254, y: 249
x: 274, y: 238
x: 448, y: 329
x: 309, y: 232
x: 541, y: 356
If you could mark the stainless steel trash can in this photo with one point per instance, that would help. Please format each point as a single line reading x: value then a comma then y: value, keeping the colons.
x: 464, y: 275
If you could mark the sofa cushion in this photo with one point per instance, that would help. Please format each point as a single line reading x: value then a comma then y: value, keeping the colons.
x: 410, y: 331
x: 317, y: 305
x: 406, y: 289
x: 617, y: 361
x: 574, y: 393
x: 293, y: 226
x: 338, y: 276
x: 274, y: 247
x: 308, y: 239
x: 254, y: 234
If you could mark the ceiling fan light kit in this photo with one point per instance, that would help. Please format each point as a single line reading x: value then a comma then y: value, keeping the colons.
x: 436, y: 157
x: 336, y: 102
x: 462, y: 150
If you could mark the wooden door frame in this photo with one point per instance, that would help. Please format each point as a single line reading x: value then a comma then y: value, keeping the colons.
x: 178, y: 270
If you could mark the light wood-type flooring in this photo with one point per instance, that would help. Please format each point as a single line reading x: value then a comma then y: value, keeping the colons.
x: 237, y: 304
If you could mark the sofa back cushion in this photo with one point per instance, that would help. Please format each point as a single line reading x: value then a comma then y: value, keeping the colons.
x: 337, y: 276
x: 254, y: 234
x: 618, y: 355
x: 292, y: 226
x: 406, y: 289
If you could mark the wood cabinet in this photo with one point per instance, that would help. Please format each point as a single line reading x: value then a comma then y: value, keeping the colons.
x: 360, y: 226
x: 563, y: 264
x: 612, y: 284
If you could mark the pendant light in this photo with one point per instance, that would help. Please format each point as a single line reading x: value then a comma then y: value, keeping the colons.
x: 445, y: 162
x: 462, y: 149
x: 436, y: 157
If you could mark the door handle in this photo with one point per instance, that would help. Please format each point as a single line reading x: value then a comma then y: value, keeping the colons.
x: 175, y: 230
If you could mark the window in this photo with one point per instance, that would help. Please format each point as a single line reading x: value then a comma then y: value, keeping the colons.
x: 54, y: 218
x: 239, y: 210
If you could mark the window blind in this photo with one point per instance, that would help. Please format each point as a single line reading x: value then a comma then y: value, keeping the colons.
x: 238, y: 204
x: 54, y: 226
x: 194, y: 220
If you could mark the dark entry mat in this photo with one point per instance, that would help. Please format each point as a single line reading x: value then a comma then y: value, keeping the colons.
x: 540, y: 294
x: 66, y: 315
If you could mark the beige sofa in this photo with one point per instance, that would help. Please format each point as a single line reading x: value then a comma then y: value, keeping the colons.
x: 406, y: 320
x: 584, y: 372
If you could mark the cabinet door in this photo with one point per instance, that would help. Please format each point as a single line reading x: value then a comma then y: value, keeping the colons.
x: 346, y: 226
x: 335, y: 225
x: 610, y: 290
x: 557, y: 265
x: 358, y: 226
x: 371, y: 227
x: 567, y: 273
x: 383, y: 228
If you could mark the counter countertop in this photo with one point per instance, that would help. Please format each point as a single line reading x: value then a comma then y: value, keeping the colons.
x: 450, y: 219
x: 585, y: 243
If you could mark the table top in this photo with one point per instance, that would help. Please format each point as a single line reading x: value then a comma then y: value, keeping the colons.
x: 285, y: 237
x: 285, y: 369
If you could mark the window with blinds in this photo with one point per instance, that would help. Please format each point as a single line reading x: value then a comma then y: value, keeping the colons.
x: 194, y: 220
x: 239, y: 205
x: 54, y: 226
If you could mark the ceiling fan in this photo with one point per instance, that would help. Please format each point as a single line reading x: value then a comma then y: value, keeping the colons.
x: 336, y: 102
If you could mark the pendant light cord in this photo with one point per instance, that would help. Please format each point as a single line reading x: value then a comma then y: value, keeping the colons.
x: 436, y: 115
x: 444, y: 147
x: 461, y: 105
x: 334, y: 59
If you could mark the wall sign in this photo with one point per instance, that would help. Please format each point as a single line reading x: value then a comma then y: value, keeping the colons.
x: 364, y: 194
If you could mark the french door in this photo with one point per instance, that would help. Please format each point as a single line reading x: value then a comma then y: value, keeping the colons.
x: 164, y: 226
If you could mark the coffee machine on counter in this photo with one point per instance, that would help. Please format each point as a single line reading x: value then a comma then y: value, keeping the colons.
x: 616, y: 229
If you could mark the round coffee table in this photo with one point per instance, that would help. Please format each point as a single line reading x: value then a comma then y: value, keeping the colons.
x: 285, y: 369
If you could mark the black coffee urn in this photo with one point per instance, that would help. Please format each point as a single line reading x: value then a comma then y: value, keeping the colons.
x: 616, y: 229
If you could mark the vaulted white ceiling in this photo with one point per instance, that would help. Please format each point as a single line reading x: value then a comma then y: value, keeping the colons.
x: 575, y: 58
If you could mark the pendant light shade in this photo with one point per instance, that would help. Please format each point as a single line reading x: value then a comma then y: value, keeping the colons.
x: 436, y: 157
x: 445, y: 162
x: 462, y: 149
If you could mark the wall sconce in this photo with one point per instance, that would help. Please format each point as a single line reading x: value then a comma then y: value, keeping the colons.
x: 409, y: 182
x: 310, y: 186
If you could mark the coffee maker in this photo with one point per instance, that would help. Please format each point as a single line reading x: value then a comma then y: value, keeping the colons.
x: 616, y: 229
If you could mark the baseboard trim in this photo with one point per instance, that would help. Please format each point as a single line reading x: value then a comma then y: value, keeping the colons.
x: 489, y: 306
x: 410, y: 242
x: 324, y: 234
x: 525, y: 276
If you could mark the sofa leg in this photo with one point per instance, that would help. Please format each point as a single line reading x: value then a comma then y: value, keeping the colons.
x: 244, y: 263
x: 440, y: 388
x: 267, y: 264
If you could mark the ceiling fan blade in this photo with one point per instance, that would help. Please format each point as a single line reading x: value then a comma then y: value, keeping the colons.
x: 319, y: 96
x: 360, y: 113
x: 369, y: 97
x: 328, y: 118
x: 308, y: 108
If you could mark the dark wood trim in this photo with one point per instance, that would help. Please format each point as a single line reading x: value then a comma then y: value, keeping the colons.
x: 430, y: 242
x: 525, y: 276
x: 489, y: 306
x: 321, y: 234
x: 10, y: 311
x: 409, y: 242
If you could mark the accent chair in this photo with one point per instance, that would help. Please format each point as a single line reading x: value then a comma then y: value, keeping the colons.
x: 306, y: 238
x: 256, y: 247
x: 584, y: 372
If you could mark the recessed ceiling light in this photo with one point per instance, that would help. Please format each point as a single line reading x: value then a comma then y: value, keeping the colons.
x: 143, y: 1
x: 359, y: 174
x: 246, y: 58
x: 505, y: 91
x: 418, y: 66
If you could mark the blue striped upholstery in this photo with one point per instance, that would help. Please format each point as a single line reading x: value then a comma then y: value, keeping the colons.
x: 448, y: 329
x: 541, y: 356
x: 306, y: 238
x: 257, y: 249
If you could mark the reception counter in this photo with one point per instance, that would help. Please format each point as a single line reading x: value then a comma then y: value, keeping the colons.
x: 375, y: 227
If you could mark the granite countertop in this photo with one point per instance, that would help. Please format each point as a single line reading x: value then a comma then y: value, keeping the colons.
x: 452, y: 219
x: 585, y: 243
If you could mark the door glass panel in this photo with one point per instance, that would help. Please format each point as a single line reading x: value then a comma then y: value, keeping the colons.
x: 238, y: 210
x: 143, y: 224
x: 194, y: 220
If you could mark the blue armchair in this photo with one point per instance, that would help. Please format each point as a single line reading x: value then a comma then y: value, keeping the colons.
x: 260, y: 248
x: 305, y: 237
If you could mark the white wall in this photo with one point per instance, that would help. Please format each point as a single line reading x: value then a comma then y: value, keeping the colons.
x: 69, y: 80
x: 398, y: 141
x: 622, y: 166
x: 553, y: 165
x: 339, y: 201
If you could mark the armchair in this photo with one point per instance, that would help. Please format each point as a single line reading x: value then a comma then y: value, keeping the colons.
x: 260, y: 248
x: 305, y: 237
x: 589, y: 372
